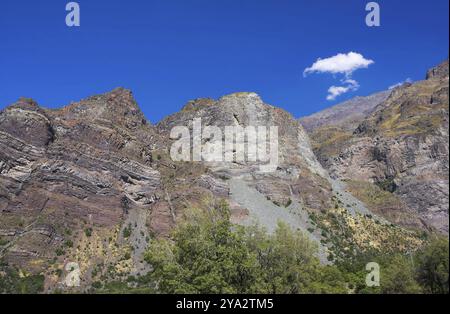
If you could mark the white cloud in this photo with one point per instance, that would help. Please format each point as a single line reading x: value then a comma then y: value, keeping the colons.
x: 408, y: 80
x: 335, y: 91
x: 340, y: 63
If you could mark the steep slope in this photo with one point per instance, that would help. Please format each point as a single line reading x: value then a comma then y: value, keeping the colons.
x: 396, y: 160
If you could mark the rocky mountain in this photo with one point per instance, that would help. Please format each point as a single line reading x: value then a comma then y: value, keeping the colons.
x: 86, y: 187
x: 396, y: 159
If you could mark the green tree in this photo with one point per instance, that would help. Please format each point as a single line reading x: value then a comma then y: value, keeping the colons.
x: 398, y: 276
x: 433, y: 267
x: 289, y: 264
x: 397, y: 273
x: 207, y: 255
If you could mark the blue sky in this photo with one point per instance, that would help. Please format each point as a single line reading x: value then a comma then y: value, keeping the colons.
x: 170, y: 51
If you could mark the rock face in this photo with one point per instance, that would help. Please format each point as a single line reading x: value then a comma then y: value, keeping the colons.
x: 402, y: 147
x: 297, y: 183
x: 295, y: 157
x: 74, y: 175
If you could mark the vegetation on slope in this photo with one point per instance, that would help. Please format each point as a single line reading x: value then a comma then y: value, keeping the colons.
x: 208, y: 254
x: 329, y: 140
x: 14, y: 281
x: 381, y: 201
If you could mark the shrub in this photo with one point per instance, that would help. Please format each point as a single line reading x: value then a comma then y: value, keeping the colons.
x: 288, y: 203
x: 127, y: 231
x: 88, y: 232
x: 69, y: 243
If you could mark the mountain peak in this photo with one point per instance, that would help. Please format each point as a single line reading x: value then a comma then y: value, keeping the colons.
x: 25, y: 103
x: 198, y: 103
x: 117, y: 106
x: 241, y: 97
